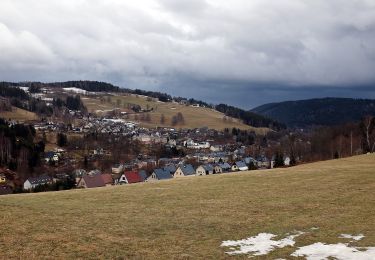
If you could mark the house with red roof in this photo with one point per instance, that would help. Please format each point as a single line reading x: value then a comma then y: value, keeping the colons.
x: 130, y: 177
x: 95, y: 181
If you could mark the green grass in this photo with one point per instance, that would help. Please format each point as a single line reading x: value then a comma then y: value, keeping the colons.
x: 188, y: 218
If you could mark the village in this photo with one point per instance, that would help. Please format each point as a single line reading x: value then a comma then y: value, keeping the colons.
x: 209, y: 160
x: 94, y: 139
x: 184, y: 153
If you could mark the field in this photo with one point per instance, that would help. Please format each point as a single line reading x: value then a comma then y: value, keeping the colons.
x: 195, y: 117
x: 19, y: 114
x: 189, y: 218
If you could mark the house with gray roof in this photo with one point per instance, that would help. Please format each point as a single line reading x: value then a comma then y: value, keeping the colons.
x: 204, y: 169
x: 159, y: 174
x: 225, y: 167
x: 184, y: 170
x: 143, y: 174
x: 33, y: 182
x: 240, y: 166
x: 170, y: 168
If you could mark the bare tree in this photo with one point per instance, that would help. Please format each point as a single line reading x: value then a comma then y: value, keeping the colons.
x: 367, y: 126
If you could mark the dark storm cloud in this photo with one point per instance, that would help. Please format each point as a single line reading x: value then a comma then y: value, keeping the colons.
x: 241, y: 52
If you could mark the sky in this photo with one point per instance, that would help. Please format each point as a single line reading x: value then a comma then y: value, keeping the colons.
x: 241, y: 52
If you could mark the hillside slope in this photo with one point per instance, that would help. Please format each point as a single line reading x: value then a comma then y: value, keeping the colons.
x: 18, y: 114
x: 326, y: 111
x: 194, y: 117
x: 188, y: 218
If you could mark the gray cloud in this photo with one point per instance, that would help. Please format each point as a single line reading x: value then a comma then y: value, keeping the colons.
x: 187, y: 47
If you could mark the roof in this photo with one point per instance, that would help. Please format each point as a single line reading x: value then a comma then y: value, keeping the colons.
x: 241, y: 164
x: 208, y: 167
x: 225, y: 166
x: 162, y: 174
x: 107, y: 178
x: 248, y: 160
x: 42, y: 179
x: 49, y: 154
x: 5, y: 189
x: 171, y: 168
x: 143, y: 175
x: 93, y: 181
x: 187, y: 169
x: 133, y: 177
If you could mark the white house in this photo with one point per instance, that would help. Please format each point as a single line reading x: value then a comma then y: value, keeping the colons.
x: 31, y: 183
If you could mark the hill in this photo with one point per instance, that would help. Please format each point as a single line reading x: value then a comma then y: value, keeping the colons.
x: 194, y: 117
x: 312, y: 112
x: 188, y: 218
x: 18, y: 114
x: 14, y: 90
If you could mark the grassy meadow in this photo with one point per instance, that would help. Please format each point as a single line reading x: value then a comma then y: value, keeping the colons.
x: 195, y: 117
x: 188, y: 218
x: 18, y: 114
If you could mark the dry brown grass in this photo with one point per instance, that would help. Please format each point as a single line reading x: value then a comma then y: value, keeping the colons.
x: 195, y: 117
x: 19, y: 114
x: 188, y: 218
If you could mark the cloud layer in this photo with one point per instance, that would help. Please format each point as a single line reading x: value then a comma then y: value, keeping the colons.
x: 184, y: 47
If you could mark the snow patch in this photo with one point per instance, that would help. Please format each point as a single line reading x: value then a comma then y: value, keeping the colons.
x: 348, y: 236
x: 258, y: 245
x: 75, y: 90
x: 320, y: 251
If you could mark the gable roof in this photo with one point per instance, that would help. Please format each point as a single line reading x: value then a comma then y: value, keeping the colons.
x: 143, y: 175
x: 133, y: 177
x: 162, y: 174
x: 5, y: 189
x: 93, y: 181
x: 241, y: 164
x: 107, y: 178
x: 171, y: 168
x: 225, y: 166
x: 42, y: 179
x: 187, y: 169
x: 208, y: 167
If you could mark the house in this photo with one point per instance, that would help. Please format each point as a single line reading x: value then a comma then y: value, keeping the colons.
x: 143, y: 175
x: 205, y: 169
x: 107, y: 179
x: 249, y: 160
x: 218, y: 169
x: 51, y: 157
x: 5, y: 189
x: 287, y: 161
x: 159, y: 174
x: 263, y: 162
x: 225, y: 167
x: 91, y: 181
x: 216, y: 148
x: 130, y: 177
x: 184, y: 170
x: 33, y: 182
x: 117, y: 168
x: 94, y: 172
x: 3, y: 179
x: 240, y: 166
x: 170, y: 168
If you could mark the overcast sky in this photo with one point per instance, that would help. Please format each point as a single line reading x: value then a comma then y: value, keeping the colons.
x: 242, y: 52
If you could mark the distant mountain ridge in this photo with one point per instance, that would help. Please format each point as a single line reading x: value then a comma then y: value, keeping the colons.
x: 318, y: 112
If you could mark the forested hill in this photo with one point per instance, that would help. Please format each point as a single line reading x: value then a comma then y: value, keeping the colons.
x: 314, y: 112
x: 246, y: 117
